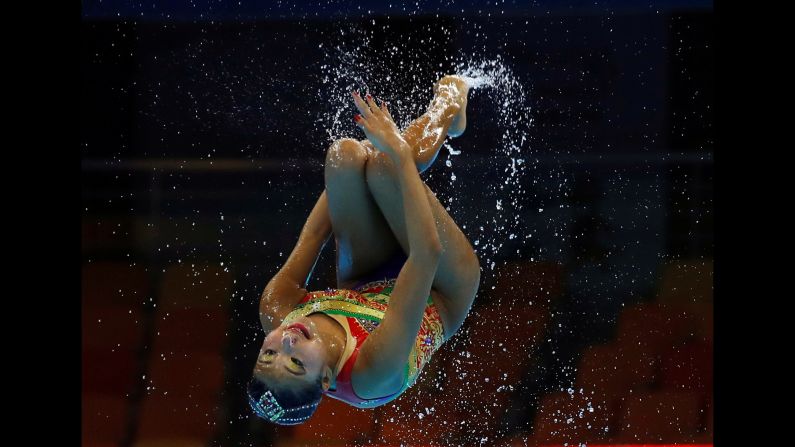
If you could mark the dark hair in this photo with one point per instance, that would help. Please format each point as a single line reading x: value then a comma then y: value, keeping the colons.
x: 299, y: 402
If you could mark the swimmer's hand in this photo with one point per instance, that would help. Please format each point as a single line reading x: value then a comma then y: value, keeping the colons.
x: 380, y: 128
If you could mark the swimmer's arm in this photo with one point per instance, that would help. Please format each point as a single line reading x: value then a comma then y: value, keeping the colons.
x: 287, y: 287
x: 314, y: 235
x: 383, y: 355
x: 386, y: 350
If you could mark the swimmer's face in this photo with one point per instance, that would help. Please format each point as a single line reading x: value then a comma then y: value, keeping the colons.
x: 294, y: 353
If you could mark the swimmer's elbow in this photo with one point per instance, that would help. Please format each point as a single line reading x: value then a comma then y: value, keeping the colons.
x: 435, y: 247
x: 430, y: 253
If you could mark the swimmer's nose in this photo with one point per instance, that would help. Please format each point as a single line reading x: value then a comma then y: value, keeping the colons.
x: 288, y: 341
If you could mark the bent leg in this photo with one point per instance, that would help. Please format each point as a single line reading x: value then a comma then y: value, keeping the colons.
x: 363, y: 238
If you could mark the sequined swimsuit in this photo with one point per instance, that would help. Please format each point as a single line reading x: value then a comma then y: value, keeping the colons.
x: 359, y: 312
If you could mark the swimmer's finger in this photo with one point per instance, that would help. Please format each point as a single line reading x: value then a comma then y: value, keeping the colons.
x: 361, y: 122
x: 386, y: 111
x: 364, y: 109
x: 373, y: 105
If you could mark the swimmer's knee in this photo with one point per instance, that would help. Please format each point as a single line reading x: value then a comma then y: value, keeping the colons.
x: 380, y: 170
x: 346, y: 153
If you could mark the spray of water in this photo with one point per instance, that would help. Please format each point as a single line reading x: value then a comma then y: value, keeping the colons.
x: 496, y: 79
x: 346, y: 71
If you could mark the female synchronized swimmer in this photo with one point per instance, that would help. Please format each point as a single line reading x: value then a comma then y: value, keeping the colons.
x: 406, y: 274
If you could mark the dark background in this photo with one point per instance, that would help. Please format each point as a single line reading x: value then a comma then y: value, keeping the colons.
x: 203, y: 133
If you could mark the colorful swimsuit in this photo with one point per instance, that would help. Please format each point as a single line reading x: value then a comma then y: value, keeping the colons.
x: 359, y: 312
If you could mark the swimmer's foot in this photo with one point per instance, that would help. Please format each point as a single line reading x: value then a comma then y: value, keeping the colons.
x: 452, y: 91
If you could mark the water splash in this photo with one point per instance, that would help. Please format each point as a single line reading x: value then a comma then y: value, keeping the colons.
x: 347, y: 69
x: 493, y: 77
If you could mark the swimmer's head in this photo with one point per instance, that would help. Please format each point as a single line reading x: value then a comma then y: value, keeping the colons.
x: 291, y: 374
x: 283, y: 405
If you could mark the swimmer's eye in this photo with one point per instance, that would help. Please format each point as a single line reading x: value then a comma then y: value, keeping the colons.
x: 267, y: 355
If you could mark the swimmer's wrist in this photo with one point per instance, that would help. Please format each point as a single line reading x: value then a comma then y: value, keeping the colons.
x: 400, y: 148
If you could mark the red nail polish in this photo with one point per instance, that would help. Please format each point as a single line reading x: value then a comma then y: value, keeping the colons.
x: 357, y: 118
x: 369, y: 97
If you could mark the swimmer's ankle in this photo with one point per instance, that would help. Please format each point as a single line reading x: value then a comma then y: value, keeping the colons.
x: 452, y: 91
x: 444, y: 106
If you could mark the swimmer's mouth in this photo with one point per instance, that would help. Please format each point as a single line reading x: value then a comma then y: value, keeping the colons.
x: 298, y: 327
